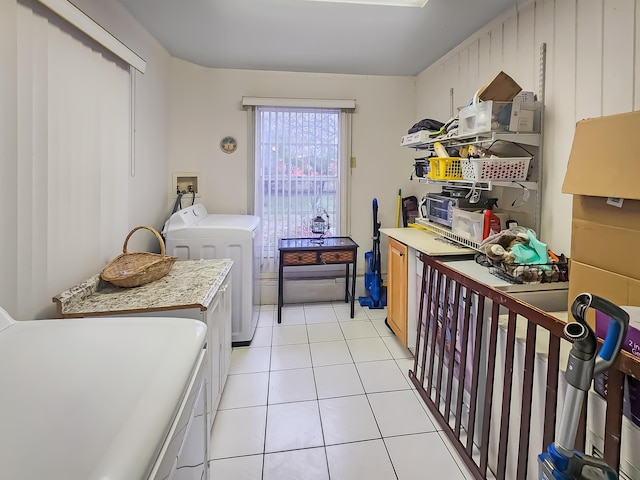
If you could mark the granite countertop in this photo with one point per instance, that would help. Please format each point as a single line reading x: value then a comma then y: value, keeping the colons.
x: 189, y: 284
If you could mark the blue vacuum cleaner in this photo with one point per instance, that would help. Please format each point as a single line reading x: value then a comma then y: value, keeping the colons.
x: 376, y: 293
x: 561, y: 461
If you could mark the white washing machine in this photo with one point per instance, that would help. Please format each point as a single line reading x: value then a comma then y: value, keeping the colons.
x: 192, y: 233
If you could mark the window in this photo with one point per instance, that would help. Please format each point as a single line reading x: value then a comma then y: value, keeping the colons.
x: 300, y: 173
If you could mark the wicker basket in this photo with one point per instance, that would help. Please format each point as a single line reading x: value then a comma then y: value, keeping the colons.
x: 138, y: 268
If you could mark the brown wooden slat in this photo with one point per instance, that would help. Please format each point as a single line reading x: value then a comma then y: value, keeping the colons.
x: 421, y: 312
x: 467, y: 459
x: 527, y: 396
x: 434, y: 338
x: 613, y: 421
x: 452, y: 352
x: 463, y: 359
x: 503, y: 443
x: 429, y: 332
x: 442, y: 337
x: 478, y: 348
x: 551, y: 398
x: 488, y: 394
x: 480, y: 404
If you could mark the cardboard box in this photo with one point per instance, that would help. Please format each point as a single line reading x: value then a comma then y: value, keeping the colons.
x: 614, y: 287
x: 605, y: 230
x: 502, y: 88
x: 596, y: 167
x: 606, y: 236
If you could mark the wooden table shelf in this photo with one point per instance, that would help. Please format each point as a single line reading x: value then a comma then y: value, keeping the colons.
x: 318, y: 251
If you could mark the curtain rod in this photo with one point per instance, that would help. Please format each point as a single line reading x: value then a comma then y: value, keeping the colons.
x: 89, y: 27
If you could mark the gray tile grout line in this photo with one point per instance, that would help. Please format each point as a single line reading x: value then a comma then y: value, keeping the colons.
x: 337, y: 445
x: 376, y: 420
x: 266, y: 411
x: 315, y: 385
x: 324, y: 446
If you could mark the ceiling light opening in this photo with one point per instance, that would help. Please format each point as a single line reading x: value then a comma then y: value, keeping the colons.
x: 388, y: 3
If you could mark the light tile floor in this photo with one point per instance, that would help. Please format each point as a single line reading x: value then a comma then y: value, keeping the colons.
x: 324, y: 396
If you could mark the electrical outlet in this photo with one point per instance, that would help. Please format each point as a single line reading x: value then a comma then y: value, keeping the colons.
x: 353, y: 162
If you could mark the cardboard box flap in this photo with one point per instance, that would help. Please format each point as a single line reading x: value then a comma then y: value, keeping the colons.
x: 503, y: 88
x: 604, y: 161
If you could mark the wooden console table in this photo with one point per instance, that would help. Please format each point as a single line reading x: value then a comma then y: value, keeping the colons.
x: 319, y: 251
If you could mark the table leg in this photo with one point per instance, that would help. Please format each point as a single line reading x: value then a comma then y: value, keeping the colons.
x: 353, y: 282
x: 280, y: 289
x: 346, y: 283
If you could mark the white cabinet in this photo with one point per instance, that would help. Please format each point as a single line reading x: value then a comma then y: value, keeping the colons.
x: 218, y: 319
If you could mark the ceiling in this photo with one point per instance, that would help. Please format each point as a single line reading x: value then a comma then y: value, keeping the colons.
x: 312, y: 36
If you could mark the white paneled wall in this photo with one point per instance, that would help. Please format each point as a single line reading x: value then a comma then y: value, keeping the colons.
x: 593, y: 60
x: 8, y: 153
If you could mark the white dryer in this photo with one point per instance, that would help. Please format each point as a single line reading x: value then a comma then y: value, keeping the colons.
x: 106, y: 398
x: 192, y: 233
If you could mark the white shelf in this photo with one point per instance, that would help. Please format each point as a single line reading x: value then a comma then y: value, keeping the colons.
x: 532, y: 139
x: 458, y: 183
x: 447, y: 233
x: 531, y: 186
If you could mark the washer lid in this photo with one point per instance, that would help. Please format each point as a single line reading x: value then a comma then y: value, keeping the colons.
x: 187, y: 217
x: 237, y: 222
x: 92, y: 398
x: 215, y: 226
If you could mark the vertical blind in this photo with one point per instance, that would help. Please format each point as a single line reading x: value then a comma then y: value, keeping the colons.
x: 73, y: 157
x: 298, y: 173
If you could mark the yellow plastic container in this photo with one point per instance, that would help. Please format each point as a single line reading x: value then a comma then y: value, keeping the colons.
x: 448, y: 168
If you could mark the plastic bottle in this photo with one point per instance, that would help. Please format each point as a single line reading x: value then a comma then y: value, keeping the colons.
x: 440, y: 150
x: 491, y: 224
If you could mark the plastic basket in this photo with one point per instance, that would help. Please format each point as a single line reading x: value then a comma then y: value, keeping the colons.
x: 445, y: 168
x: 506, y: 169
x: 531, y: 273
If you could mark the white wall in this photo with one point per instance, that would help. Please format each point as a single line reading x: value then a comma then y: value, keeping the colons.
x: 205, y: 106
x: 26, y: 286
x: 592, y: 65
x: 8, y: 154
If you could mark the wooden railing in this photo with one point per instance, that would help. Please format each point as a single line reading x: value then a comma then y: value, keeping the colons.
x: 488, y: 366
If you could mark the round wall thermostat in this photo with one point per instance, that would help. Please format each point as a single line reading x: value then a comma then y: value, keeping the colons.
x: 228, y: 144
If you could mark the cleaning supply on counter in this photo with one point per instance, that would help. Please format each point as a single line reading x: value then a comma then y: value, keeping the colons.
x: 491, y: 224
x: 440, y: 150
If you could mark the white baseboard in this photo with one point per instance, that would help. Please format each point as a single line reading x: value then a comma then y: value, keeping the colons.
x: 305, y: 290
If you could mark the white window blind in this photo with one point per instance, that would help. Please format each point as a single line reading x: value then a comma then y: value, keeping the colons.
x: 74, y: 138
x: 300, y: 173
